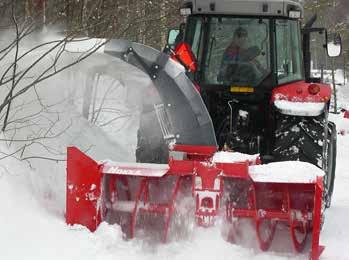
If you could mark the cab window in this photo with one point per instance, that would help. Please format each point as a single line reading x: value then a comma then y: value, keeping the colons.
x: 235, y: 50
x: 288, y: 51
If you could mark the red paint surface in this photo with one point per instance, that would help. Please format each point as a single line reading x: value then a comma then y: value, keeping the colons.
x: 298, y: 92
x: 83, y: 190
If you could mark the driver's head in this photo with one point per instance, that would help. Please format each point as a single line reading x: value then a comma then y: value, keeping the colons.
x: 240, y: 37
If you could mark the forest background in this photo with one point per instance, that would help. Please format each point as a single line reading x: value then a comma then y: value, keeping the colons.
x: 144, y: 21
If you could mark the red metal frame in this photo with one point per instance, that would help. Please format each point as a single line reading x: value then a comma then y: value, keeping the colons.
x: 298, y: 92
x: 280, y: 212
x: 83, y: 190
x: 296, y: 205
x: 316, y: 248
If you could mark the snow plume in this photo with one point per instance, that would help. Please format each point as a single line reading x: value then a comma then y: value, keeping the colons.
x: 94, y: 104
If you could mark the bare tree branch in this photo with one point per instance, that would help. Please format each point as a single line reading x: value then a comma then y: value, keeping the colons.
x: 14, y: 67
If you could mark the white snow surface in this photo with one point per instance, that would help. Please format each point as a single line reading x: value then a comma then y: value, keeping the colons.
x: 285, y: 172
x: 30, y: 229
x: 32, y: 199
x: 299, y: 108
x: 277, y: 172
x: 230, y: 157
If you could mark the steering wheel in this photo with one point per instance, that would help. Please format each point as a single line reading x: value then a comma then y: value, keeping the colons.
x: 244, y: 73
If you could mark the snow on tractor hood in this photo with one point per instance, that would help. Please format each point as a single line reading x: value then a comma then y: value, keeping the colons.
x: 184, y: 113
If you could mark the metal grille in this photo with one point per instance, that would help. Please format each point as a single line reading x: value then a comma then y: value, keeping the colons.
x: 164, y: 121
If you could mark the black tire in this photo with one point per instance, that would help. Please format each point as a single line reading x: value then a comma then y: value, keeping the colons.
x: 331, y: 163
x: 299, y: 138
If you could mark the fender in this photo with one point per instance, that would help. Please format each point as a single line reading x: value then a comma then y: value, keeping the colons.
x: 301, y: 98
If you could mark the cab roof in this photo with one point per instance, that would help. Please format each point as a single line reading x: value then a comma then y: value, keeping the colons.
x: 245, y: 7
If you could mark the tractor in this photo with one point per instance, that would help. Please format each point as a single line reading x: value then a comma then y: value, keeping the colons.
x: 232, y: 127
x: 266, y: 101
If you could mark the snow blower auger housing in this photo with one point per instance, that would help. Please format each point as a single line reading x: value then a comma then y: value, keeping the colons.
x: 210, y: 175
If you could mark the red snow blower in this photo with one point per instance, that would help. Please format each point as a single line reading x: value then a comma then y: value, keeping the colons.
x: 111, y: 191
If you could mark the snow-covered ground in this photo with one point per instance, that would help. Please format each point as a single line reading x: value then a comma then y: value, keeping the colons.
x: 31, y: 230
x: 335, y: 233
x: 32, y: 223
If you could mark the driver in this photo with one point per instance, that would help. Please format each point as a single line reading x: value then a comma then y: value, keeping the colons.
x: 237, y: 52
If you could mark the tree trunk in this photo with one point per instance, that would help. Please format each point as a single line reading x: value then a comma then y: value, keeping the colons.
x: 334, y: 87
x: 84, y: 17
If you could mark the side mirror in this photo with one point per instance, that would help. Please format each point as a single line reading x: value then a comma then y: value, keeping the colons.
x: 172, y: 37
x: 334, y: 45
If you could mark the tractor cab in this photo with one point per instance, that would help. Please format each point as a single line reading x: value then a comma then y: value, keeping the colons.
x: 244, y: 51
x: 247, y: 51
x: 238, y: 53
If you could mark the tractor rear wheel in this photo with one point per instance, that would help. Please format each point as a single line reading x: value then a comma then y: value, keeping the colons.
x: 299, y: 138
x: 331, y: 163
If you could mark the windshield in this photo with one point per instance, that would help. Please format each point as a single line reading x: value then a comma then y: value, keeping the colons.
x: 237, y: 52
